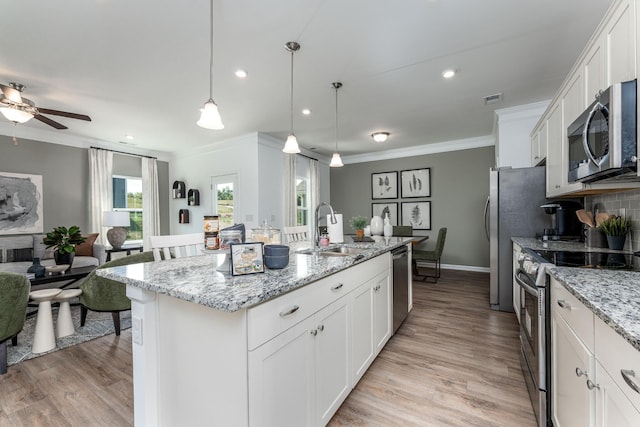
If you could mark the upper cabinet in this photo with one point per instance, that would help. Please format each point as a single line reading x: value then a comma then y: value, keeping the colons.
x: 610, y: 57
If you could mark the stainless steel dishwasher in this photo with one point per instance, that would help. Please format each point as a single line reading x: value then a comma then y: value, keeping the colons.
x: 400, y: 286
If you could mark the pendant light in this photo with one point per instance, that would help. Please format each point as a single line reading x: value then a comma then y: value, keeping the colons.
x: 210, y: 117
x: 291, y: 146
x: 336, y: 161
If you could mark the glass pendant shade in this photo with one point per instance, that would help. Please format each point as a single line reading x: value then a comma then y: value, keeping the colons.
x: 336, y: 161
x: 16, y: 115
x: 210, y: 117
x: 291, y: 145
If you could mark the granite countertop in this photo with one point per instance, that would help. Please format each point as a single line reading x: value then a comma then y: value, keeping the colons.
x: 556, y: 245
x: 196, y: 280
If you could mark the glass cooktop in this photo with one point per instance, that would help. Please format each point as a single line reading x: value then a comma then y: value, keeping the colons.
x: 602, y: 260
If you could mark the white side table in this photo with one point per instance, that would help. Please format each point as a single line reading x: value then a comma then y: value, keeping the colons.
x: 44, y: 338
x: 64, y: 324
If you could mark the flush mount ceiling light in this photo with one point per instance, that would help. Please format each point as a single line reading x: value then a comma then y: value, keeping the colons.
x: 210, y: 117
x: 306, y: 111
x: 291, y: 146
x: 447, y: 74
x: 336, y: 161
x: 241, y: 74
x: 380, y: 136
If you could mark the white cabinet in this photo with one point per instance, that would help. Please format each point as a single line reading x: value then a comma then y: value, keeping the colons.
x: 613, y: 408
x: 554, y: 151
x: 620, y: 43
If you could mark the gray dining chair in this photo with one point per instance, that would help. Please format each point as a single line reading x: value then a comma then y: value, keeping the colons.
x: 430, y: 257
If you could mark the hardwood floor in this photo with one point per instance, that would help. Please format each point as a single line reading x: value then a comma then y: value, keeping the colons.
x: 454, y: 362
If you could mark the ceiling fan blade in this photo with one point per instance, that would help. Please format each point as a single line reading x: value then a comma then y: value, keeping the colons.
x: 50, y: 122
x: 64, y: 114
x: 11, y: 94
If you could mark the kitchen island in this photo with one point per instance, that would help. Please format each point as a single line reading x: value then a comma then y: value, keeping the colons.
x: 284, y: 347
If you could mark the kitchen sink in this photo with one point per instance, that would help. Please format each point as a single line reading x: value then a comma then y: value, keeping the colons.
x: 336, y: 251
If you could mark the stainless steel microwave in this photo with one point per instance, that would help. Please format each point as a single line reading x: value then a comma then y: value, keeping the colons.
x: 603, y: 140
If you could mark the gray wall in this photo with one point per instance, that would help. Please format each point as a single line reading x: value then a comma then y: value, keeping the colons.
x: 65, y: 179
x: 611, y: 203
x: 459, y: 189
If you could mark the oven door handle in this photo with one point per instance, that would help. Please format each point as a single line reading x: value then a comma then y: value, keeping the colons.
x: 527, y: 287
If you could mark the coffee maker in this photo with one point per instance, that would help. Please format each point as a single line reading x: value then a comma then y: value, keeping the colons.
x: 564, y: 221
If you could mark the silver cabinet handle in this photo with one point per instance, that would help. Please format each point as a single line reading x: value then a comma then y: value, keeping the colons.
x: 580, y: 373
x: 591, y: 385
x: 337, y: 287
x: 562, y: 303
x: 629, y: 377
x: 321, y: 328
x: 313, y: 332
x: 377, y: 288
x: 290, y: 311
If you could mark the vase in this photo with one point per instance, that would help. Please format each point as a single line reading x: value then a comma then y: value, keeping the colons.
x: 36, y: 268
x: 65, y: 258
x: 616, y: 242
x: 376, y: 226
x: 360, y: 233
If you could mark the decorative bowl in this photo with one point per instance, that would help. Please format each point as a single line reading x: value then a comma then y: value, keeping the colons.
x: 51, y: 269
x: 276, y: 250
x: 276, y: 262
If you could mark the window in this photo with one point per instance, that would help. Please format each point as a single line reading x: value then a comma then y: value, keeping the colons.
x: 127, y: 196
x: 302, y: 201
x: 224, y: 198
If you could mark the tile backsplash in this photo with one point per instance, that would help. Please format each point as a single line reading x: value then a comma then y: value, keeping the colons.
x: 612, y: 203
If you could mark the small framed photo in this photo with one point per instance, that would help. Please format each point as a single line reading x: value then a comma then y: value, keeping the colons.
x: 384, y: 185
x: 416, y: 183
x: 246, y: 258
x: 381, y: 209
x: 417, y: 215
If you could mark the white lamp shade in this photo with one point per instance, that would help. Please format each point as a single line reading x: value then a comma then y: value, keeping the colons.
x: 336, y: 161
x: 291, y: 146
x: 16, y: 115
x: 116, y: 219
x: 210, y: 117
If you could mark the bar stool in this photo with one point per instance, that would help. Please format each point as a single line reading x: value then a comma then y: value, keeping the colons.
x: 44, y: 338
x: 64, y: 324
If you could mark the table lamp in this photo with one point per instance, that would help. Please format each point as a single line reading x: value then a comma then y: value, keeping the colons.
x: 116, y: 219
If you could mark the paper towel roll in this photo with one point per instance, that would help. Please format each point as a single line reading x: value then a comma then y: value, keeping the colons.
x: 335, y: 230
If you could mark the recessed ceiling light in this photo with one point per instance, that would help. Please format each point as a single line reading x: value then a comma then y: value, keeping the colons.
x: 447, y: 74
x: 306, y: 111
x: 241, y: 74
x: 129, y: 137
x: 380, y: 136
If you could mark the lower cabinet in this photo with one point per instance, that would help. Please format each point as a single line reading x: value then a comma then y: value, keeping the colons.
x: 613, y: 408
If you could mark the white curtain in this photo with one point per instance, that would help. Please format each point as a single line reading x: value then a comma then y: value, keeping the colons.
x: 100, y: 189
x: 150, y: 200
x: 314, y: 192
x: 290, y: 190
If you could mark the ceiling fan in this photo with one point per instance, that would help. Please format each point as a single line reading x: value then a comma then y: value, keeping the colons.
x: 16, y: 108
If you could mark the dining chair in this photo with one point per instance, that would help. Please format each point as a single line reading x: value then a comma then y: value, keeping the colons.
x: 297, y: 234
x: 14, y: 297
x: 176, y: 245
x: 433, y: 256
x: 403, y: 231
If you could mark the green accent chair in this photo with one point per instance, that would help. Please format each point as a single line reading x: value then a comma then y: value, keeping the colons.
x: 14, y: 297
x: 420, y: 256
x: 101, y: 294
x: 403, y: 230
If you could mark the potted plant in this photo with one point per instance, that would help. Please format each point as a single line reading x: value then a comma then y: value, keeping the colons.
x: 358, y: 223
x: 63, y: 241
x: 616, y: 228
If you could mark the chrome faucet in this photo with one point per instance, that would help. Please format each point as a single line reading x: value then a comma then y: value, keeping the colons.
x: 333, y: 221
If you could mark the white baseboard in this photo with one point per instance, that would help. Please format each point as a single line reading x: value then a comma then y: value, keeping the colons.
x: 459, y: 267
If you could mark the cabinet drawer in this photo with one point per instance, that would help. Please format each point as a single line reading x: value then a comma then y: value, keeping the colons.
x: 617, y: 355
x: 575, y: 313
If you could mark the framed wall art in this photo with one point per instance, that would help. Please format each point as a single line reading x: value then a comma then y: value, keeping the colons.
x: 381, y: 209
x: 416, y: 183
x: 417, y: 215
x: 384, y: 185
x: 20, y: 203
x: 246, y: 258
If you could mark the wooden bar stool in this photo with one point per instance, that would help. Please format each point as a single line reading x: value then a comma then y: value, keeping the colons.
x: 44, y: 338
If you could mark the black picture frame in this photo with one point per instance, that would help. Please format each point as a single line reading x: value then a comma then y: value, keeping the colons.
x: 380, y: 208
x: 246, y: 258
x: 417, y: 214
x: 415, y: 183
x: 384, y: 185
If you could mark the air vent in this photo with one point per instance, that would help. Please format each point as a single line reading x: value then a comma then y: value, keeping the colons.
x: 492, y: 99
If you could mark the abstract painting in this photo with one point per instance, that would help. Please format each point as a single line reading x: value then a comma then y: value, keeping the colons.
x: 20, y: 203
x: 384, y: 185
x: 416, y: 183
x: 380, y: 209
x: 417, y: 215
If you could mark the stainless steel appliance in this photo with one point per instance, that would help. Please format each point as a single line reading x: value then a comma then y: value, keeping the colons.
x: 602, y: 140
x: 512, y: 210
x: 564, y: 221
x: 400, y: 286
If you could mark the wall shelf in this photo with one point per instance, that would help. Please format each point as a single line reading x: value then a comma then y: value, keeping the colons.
x: 179, y: 190
x: 193, y: 197
x: 183, y: 216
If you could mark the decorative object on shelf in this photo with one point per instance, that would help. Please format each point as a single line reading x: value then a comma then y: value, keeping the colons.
x: 616, y: 228
x: 193, y: 197
x: 416, y: 183
x: 384, y: 185
x: 358, y: 223
x: 246, y: 258
x: 183, y: 216
x: 20, y: 203
x: 417, y: 215
x: 36, y: 268
x: 210, y: 117
x: 291, y: 145
x: 58, y: 269
x: 381, y: 209
x: 63, y: 241
x: 380, y: 136
x: 336, y: 161
x: 179, y: 190
x: 116, y: 219
x: 376, y: 225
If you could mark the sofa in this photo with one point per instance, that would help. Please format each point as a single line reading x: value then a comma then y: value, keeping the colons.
x: 17, y: 253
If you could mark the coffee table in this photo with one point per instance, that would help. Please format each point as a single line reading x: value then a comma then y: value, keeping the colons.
x: 72, y: 276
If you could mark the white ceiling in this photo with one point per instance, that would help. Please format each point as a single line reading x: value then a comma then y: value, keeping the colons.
x: 140, y: 67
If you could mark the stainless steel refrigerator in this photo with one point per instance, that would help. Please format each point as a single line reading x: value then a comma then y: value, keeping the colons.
x: 512, y: 210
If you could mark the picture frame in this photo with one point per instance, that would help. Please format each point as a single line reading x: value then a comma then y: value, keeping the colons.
x: 415, y: 183
x: 380, y: 209
x: 246, y: 258
x: 417, y: 215
x: 20, y: 203
x: 384, y: 185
